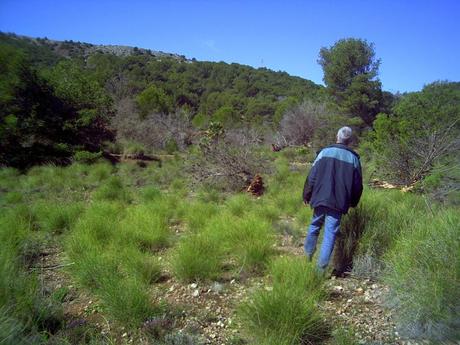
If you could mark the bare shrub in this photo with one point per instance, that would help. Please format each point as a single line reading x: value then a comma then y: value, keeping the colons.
x: 312, y: 124
x: 299, y: 123
x: 230, y: 161
x: 155, y: 131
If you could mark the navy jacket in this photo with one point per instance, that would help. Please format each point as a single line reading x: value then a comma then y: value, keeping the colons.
x: 335, y: 179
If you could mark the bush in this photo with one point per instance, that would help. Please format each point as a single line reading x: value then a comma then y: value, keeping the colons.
x: 86, y: 156
x: 422, y: 270
x: 422, y: 131
x: 287, y: 313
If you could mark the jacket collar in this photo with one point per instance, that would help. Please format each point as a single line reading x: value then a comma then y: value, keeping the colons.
x: 341, y: 146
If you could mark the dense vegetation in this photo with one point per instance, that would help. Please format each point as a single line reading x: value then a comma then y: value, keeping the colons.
x: 122, y: 235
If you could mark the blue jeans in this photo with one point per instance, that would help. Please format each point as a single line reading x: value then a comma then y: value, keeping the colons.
x: 332, y: 219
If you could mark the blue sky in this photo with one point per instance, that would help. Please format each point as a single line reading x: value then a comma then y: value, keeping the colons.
x: 417, y: 41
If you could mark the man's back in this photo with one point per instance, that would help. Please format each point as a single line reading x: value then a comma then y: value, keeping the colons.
x: 335, y: 179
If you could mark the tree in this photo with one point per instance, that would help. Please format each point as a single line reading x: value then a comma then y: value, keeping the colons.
x: 39, y: 122
x: 226, y: 115
x: 153, y: 100
x: 350, y: 74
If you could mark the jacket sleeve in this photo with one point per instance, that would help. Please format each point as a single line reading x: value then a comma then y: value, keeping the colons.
x: 357, y: 188
x: 309, y: 183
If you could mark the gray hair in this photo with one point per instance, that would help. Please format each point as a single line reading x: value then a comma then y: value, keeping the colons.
x: 344, y: 135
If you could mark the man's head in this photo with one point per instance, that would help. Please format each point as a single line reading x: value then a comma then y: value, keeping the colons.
x: 344, y: 135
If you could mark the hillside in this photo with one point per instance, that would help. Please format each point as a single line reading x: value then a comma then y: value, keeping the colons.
x: 197, y: 84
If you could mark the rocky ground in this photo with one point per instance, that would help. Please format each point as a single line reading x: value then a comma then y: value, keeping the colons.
x: 205, y: 312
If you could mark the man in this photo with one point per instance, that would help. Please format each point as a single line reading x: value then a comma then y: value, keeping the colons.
x: 332, y: 186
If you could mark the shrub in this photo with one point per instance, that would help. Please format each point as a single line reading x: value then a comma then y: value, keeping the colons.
x: 422, y: 270
x: 352, y: 226
x: 299, y: 123
x: 422, y: 131
x: 287, y: 313
x: 86, y: 156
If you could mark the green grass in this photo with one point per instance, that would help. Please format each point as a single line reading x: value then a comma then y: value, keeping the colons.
x: 114, y: 268
x: 114, y: 221
x: 250, y: 240
x: 287, y: 312
x: 24, y: 305
x: 113, y: 189
x: 234, y: 232
x: 198, y: 257
x: 57, y: 217
x: 423, y: 270
x: 146, y: 229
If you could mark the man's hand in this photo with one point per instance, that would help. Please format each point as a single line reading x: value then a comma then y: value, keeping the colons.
x: 305, y: 203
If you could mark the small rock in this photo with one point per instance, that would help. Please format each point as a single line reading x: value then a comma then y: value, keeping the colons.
x: 217, y: 287
x: 196, y: 293
x: 193, y: 286
x: 124, y: 335
x: 359, y: 291
x: 338, y: 288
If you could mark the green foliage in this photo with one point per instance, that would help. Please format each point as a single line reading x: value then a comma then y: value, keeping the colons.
x: 225, y: 115
x: 350, y: 71
x: 250, y: 240
x: 86, y: 156
x: 145, y: 227
x: 153, y: 99
x: 421, y: 132
x: 287, y: 313
x: 47, y: 119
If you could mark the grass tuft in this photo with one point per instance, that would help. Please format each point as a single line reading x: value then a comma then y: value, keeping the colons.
x: 287, y: 312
